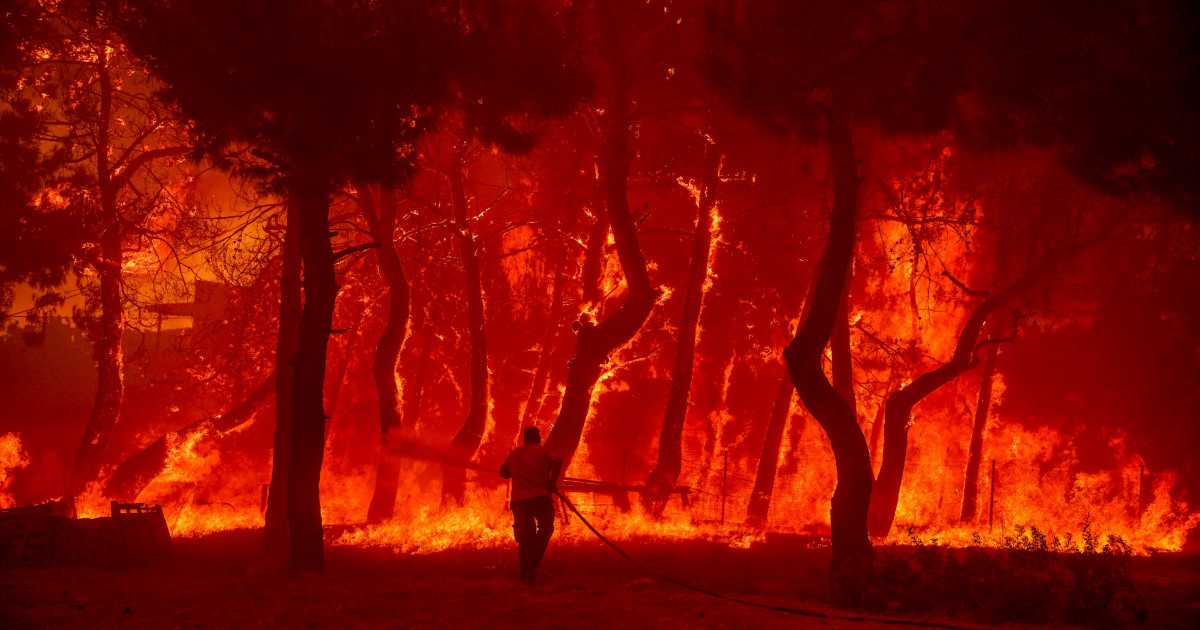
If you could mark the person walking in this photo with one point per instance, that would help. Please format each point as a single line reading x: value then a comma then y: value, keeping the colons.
x: 534, y: 470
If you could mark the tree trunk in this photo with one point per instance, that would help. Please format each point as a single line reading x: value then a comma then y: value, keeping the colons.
x: 877, y: 424
x: 387, y: 352
x: 839, y: 346
x: 110, y: 325
x: 133, y: 474
x: 852, y: 551
x: 897, y: 413
x: 306, y: 544
x: 665, y: 475
x: 110, y: 378
x: 592, y: 262
x: 287, y: 341
x: 975, y: 452
x: 764, y: 478
x: 470, y: 435
x: 595, y: 342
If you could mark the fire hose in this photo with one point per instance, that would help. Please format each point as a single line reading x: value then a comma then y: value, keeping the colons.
x: 747, y: 602
x: 429, y: 453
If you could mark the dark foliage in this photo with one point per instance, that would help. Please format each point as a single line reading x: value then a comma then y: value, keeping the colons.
x: 1030, y: 579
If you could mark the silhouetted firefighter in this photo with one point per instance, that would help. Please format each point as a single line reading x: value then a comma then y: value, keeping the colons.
x: 534, y: 470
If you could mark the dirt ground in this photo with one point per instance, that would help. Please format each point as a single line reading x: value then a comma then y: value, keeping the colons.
x: 212, y: 582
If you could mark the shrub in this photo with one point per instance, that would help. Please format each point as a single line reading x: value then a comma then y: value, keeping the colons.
x: 1030, y: 578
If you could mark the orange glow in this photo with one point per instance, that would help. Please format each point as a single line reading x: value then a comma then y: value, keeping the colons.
x: 12, y: 457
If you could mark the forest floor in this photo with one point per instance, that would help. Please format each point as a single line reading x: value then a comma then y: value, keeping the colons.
x: 212, y: 582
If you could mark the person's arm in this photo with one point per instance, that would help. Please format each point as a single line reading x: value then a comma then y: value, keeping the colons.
x: 505, y: 472
x: 555, y: 470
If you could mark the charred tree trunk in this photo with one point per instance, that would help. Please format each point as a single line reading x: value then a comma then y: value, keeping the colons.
x: 109, y: 328
x: 287, y: 341
x: 387, y: 352
x: 132, y: 475
x: 306, y: 537
x: 975, y: 451
x: 665, y: 475
x: 470, y: 434
x: 852, y: 551
x: 595, y: 342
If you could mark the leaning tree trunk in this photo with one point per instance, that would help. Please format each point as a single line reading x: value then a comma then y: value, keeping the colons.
x: 287, y: 341
x: 848, y: 512
x: 768, y: 463
x: 764, y: 478
x: 595, y: 342
x: 975, y: 451
x: 110, y: 326
x: 133, y: 474
x: 387, y: 352
x: 897, y: 412
x: 665, y: 475
x: 306, y: 544
x: 466, y: 441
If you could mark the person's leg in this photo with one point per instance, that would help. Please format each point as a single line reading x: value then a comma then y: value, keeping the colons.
x: 545, y: 526
x: 525, y: 531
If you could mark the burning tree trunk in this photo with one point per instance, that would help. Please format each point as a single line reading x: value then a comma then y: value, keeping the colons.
x: 382, y: 222
x: 306, y: 538
x: 663, y: 478
x: 898, y: 408
x: 975, y: 452
x: 131, y: 477
x: 848, y: 512
x: 595, y: 342
x: 287, y: 341
x: 470, y: 435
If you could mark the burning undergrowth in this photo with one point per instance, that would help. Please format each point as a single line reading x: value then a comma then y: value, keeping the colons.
x: 203, y: 491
